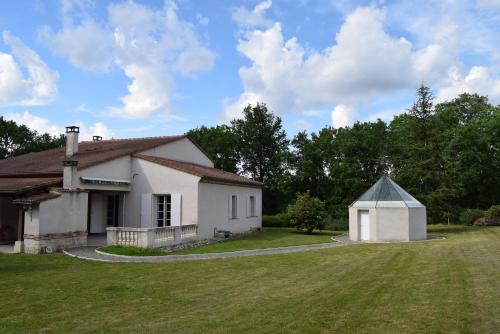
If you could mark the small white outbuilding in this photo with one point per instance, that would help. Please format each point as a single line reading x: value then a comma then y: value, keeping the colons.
x: 386, y: 212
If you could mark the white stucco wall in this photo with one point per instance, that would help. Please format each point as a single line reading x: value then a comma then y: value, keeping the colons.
x: 214, y: 209
x: 156, y: 179
x: 59, y: 223
x: 67, y: 213
x: 392, y: 224
x: 118, y: 169
x: 418, y: 223
x: 182, y: 150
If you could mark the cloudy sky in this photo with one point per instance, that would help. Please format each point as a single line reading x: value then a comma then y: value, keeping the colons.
x: 144, y: 68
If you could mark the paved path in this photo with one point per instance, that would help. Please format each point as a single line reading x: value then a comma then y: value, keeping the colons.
x: 89, y: 253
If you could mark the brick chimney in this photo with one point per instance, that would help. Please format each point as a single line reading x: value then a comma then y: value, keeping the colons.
x: 72, y: 140
x: 96, y: 138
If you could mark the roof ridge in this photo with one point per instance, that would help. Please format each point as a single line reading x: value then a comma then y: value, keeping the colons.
x: 134, y: 138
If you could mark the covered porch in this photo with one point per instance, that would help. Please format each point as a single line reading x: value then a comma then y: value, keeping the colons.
x: 11, y: 226
x: 109, y: 223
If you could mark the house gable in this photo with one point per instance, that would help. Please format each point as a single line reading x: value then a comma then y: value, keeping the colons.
x: 181, y: 150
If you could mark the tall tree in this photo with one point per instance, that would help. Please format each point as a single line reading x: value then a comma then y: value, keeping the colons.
x: 263, y: 147
x: 220, y: 143
x: 263, y: 144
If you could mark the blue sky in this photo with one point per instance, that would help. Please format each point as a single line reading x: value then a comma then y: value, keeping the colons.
x: 146, y: 68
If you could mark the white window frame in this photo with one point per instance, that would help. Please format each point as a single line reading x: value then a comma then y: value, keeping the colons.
x: 166, y: 220
x: 234, y: 207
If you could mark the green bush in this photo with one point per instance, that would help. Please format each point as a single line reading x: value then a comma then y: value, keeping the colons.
x: 277, y: 220
x: 468, y: 216
x: 493, y: 211
x: 308, y: 213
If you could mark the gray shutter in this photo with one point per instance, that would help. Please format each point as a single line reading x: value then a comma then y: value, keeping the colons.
x: 146, y: 210
x: 176, y: 210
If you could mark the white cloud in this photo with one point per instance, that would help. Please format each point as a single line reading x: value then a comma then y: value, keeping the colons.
x: 149, y: 46
x: 37, y: 87
x: 315, y: 112
x: 43, y: 125
x: 254, y: 17
x: 364, y: 64
x: 87, y: 46
x: 343, y: 115
x: 202, y: 20
x: 478, y: 79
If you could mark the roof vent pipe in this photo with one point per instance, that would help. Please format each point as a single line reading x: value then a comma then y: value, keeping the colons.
x: 72, y: 140
x: 96, y: 138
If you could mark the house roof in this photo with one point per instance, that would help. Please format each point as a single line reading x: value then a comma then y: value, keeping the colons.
x: 38, y: 198
x: 207, y: 174
x: 14, y: 185
x: 386, y: 190
x: 90, y: 153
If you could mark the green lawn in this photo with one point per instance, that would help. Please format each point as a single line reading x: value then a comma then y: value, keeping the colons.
x: 269, y: 238
x: 450, y: 286
x: 132, y: 251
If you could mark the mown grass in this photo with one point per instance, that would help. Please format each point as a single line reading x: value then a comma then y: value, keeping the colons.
x: 132, y: 251
x: 270, y: 237
x: 449, y: 286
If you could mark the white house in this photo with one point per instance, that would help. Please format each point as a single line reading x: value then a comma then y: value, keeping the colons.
x: 147, y: 192
x: 386, y: 212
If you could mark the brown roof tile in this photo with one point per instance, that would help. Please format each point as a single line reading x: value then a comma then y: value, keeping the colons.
x: 207, y: 174
x: 13, y: 185
x: 90, y: 153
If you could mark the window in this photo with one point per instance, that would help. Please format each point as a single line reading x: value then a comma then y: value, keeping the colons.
x: 112, y: 210
x: 163, y: 210
x: 253, y: 211
x: 234, y: 207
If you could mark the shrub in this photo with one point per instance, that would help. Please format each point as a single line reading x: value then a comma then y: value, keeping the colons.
x: 308, y: 213
x: 337, y: 224
x: 468, y: 216
x: 493, y: 212
x: 277, y: 220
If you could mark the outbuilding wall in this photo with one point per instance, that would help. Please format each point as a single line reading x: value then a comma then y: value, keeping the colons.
x: 214, y: 209
x: 392, y: 224
x: 418, y: 223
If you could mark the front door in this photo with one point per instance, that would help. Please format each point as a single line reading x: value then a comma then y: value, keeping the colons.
x: 113, y: 210
x: 364, y: 219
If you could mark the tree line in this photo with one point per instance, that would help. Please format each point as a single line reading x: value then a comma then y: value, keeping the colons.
x: 447, y: 155
x: 16, y: 139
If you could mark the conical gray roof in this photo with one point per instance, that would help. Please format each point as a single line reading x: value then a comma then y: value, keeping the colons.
x: 386, y: 190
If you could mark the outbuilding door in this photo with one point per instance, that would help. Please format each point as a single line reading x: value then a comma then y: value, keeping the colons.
x: 364, y: 224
